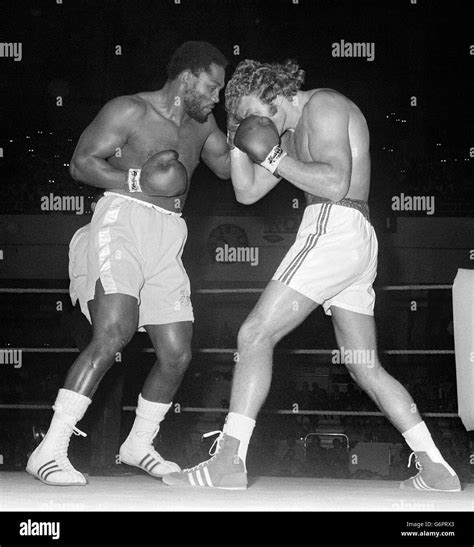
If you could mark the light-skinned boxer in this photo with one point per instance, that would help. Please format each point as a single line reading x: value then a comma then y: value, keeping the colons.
x: 318, y: 140
x: 125, y: 266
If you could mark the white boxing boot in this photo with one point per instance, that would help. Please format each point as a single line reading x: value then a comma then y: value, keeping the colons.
x: 49, y: 462
x: 138, y: 450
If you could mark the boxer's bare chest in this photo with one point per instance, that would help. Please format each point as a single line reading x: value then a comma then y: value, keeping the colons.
x: 155, y: 133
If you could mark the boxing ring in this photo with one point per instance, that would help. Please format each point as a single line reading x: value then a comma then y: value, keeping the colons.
x: 139, y: 492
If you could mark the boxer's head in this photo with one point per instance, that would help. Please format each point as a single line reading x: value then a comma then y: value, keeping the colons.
x: 259, y: 88
x: 200, y: 68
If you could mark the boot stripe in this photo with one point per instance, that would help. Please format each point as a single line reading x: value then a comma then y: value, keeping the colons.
x: 150, y: 462
x: 208, y: 477
x: 50, y: 472
x: 152, y: 467
x: 142, y: 462
x: 191, y: 479
x: 44, y: 471
x: 423, y: 483
x: 46, y: 465
x: 199, y: 478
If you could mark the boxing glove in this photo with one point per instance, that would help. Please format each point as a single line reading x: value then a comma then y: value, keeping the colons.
x: 258, y: 137
x: 162, y: 175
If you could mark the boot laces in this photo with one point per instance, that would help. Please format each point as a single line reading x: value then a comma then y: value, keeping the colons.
x: 417, y: 461
x: 146, y: 439
x: 213, y: 451
x: 64, y: 439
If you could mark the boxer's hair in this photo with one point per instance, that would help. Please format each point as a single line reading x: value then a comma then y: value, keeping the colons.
x: 196, y: 57
x: 265, y: 80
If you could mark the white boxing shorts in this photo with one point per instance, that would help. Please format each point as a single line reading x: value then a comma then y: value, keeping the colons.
x: 333, y: 260
x: 134, y: 248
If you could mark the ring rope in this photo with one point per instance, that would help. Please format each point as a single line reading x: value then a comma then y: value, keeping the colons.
x: 230, y: 291
x: 225, y: 410
x: 232, y: 351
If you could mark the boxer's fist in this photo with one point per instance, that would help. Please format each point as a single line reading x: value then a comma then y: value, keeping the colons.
x: 256, y: 136
x: 164, y: 175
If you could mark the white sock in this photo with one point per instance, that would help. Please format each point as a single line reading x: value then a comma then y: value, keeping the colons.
x: 240, y: 427
x: 419, y: 439
x: 69, y: 408
x: 148, y: 417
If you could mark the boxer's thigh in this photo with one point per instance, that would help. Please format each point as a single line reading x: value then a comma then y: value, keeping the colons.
x: 278, y: 311
x: 114, y: 315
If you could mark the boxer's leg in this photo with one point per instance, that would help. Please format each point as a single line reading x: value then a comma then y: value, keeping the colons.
x: 279, y: 310
x: 355, y: 332
x: 172, y: 343
x: 114, y: 321
x: 114, y: 318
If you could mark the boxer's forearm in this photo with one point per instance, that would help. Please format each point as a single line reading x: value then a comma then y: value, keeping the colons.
x: 319, y: 179
x: 97, y: 172
x: 250, y: 181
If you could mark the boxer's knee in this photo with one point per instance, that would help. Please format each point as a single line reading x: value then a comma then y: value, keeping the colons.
x: 108, y: 340
x: 365, y: 373
x: 255, y: 333
x: 175, y: 361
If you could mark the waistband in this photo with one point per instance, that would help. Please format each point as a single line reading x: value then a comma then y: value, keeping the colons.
x: 358, y: 204
x: 144, y: 203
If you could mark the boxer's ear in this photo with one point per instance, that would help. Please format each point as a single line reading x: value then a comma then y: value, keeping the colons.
x: 187, y: 78
x: 274, y: 109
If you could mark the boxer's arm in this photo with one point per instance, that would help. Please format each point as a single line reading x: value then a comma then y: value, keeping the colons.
x: 215, y: 152
x: 106, y: 135
x: 250, y: 181
x: 326, y: 121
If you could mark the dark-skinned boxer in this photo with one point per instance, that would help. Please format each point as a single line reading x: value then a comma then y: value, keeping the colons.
x: 125, y: 267
x: 324, y: 151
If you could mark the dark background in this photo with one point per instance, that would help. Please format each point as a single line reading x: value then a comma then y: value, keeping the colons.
x: 421, y: 50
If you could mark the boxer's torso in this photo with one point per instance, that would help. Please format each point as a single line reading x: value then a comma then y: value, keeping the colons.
x: 154, y: 133
x: 297, y: 145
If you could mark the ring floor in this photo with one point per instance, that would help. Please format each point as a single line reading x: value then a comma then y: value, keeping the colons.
x: 21, y: 492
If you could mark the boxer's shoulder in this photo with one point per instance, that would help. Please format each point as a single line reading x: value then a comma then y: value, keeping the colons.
x: 321, y: 99
x: 131, y: 107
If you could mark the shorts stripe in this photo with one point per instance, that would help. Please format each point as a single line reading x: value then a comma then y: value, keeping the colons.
x: 105, y: 238
x: 311, y: 242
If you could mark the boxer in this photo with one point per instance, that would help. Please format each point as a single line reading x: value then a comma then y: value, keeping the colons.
x: 317, y: 140
x: 125, y: 267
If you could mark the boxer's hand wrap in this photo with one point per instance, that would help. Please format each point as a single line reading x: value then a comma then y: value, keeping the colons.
x: 133, y: 180
x: 271, y: 162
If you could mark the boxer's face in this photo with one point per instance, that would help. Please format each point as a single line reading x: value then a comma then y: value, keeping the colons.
x: 201, y: 92
x: 251, y: 105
